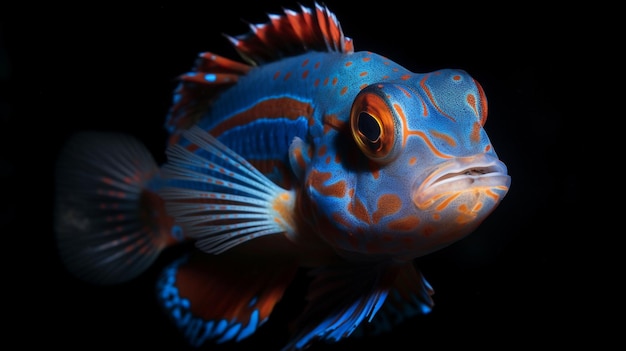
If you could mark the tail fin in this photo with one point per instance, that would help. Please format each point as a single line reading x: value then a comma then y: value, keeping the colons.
x: 110, y: 223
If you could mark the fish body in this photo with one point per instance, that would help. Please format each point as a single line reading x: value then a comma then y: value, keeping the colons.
x: 308, y: 154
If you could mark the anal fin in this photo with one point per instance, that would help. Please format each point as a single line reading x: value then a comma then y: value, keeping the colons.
x: 222, y: 298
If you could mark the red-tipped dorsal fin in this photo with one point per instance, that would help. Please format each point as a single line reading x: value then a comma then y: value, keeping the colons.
x: 289, y: 34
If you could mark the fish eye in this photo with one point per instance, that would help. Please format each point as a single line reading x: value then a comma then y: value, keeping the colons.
x: 374, y: 125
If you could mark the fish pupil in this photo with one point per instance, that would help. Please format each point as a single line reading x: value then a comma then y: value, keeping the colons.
x: 370, y: 129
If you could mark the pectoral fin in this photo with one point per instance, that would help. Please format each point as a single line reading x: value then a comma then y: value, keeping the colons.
x: 219, y: 198
x: 409, y: 296
x: 340, y: 298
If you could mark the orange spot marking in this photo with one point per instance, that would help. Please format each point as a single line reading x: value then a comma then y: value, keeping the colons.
x: 386, y: 205
x: 317, y: 65
x: 326, y: 81
x: 349, y: 63
x: 334, y: 122
x: 287, y: 75
x: 305, y: 74
x: 276, y: 75
x: 109, y: 181
x: 317, y: 179
x: 322, y: 150
x: 412, y: 161
x: 471, y: 100
x: 359, y: 210
x: 406, y: 77
x: 406, y: 224
x: 446, y: 202
x: 456, y: 77
x: 343, y: 90
x: 436, y: 216
x: 406, y: 92
x: 373, y: 166
x: 362, y: 86
x: 464, y: 218
x: 493, y: 195
x: 335, y: 80
x: 363, y: 74
x: 305, y: 62
x: 445, y: 137
x: 297, y: 152
x: 192, y: 147
x: 316, y: 83
x: 366, y: 59
x: 432, y: 98
x: 475, y: 134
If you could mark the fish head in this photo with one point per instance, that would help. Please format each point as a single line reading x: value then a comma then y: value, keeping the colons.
x: 424, y: 173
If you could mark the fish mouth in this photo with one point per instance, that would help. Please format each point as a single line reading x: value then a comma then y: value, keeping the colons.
x: 463, y: 175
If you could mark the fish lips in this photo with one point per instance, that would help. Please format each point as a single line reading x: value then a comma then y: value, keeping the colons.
x: 475, y: 178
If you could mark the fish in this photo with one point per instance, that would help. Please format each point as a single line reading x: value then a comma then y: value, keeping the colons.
x: 304, y: 158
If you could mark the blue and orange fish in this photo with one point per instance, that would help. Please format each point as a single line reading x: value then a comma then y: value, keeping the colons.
x: 305, y: 156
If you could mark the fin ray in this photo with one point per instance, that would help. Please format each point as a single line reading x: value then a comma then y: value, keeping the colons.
x: 105, y: 229
x: 341, y: 297
x: 218, y: 197
x: 222, y: 298
x: 410, y: 295
x: 210, y: 75
x: 291, y: 34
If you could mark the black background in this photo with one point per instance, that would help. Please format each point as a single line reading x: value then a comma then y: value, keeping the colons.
x: 518, y: 280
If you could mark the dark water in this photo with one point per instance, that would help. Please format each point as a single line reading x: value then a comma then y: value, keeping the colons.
x: 519, y: 279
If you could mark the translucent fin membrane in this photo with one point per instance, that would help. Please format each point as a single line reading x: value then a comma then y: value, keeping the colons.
x: 217, y: 196
x: 103, y: 231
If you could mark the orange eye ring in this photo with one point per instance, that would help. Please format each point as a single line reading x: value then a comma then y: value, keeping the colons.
x: 374, y: 125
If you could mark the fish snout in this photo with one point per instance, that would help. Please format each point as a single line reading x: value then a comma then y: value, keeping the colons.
x: 473, y: 185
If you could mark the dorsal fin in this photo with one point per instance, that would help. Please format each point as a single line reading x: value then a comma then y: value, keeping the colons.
x: 210, y: 75
x: 290, y: 34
